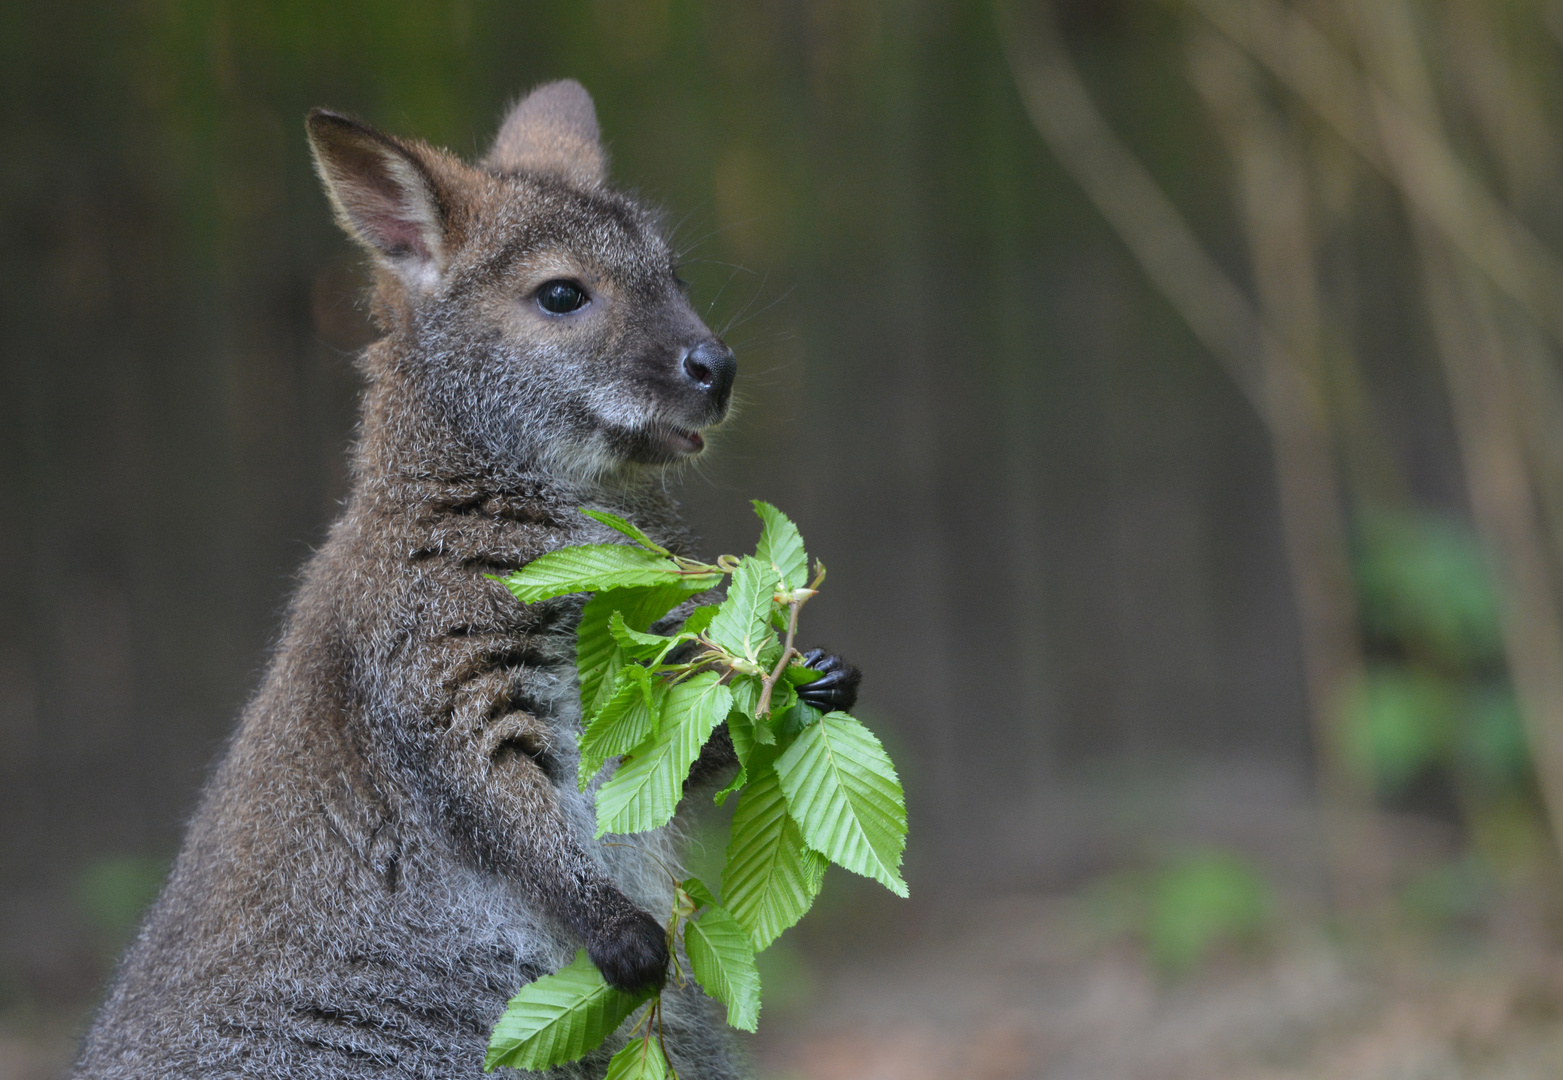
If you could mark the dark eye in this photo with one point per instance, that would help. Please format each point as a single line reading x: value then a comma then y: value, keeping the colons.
x: 561, y: 297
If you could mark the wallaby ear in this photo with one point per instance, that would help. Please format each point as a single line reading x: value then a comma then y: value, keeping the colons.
x: 553, y: 130
x: 384, y: 194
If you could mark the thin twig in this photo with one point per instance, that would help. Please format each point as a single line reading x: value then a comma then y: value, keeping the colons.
x: 788, y: 652
x: 1394, y: 139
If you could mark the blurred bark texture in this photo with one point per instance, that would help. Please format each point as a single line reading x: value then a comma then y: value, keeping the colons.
x: 1272, y: 351
x: 1493, y: 294
x: 1470, y: 245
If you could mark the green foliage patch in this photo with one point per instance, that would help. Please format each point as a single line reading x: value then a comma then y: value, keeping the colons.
x: 812, y: 788
x: 1183, y: 909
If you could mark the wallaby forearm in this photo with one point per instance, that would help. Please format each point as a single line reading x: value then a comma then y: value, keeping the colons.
x: 488, y: 749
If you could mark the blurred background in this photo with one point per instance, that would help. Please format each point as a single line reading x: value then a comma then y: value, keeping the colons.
x: 1173, y: 388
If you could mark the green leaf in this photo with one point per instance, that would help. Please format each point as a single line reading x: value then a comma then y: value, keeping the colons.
x: 559, y: 1018
x: 613, y: 521
x: 843, y: 791
x: 783, y: 697
x: 605, y: 683
x: 700, y: 619
x: 1200, y: 899
x: 626, y: 721
x: 1426, y: 584
x: 742, y: 623
x: 1397, y: 722
x: 642, y: 607
x: 793, y: 719
x: 799, y: 675
x: 645, y: 790
x: 746, y: 693
x: 597, y: 656
x: 781, y: 546
x: 771, y: 877
x: 637, y: 645
x: 722, y: 960
x: 641, y: 1059
x: 698, y: 892
x: 746, y: 699
x: 740, y: 728
x: 592, y: 567
x: 770, y: 652
x: 735, y: 784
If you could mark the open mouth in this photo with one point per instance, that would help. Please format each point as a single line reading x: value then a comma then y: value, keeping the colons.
x: 659, y: 444
x: 685, y: 442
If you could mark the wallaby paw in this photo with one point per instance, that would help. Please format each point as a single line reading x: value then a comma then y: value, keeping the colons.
x: 633, y: 954
x: 836, y: 688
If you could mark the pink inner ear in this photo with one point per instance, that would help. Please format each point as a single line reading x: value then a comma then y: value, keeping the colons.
x: 394, y: 233
x: 389, y: 216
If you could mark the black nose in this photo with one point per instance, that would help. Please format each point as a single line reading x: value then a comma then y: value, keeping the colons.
x: 710, y: 366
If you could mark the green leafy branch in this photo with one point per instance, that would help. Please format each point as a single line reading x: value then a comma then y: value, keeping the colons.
x: 813, y: 788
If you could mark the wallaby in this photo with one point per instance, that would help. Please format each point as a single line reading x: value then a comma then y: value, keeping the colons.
x: 393, y: 841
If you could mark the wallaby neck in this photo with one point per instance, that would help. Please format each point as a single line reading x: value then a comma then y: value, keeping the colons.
x: 404, y: 442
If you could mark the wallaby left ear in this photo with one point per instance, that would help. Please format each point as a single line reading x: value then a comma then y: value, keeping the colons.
x: 552, y: 130
x: 384, y: 193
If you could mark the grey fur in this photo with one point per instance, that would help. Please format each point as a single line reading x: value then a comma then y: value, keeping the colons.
x: 393, y: 841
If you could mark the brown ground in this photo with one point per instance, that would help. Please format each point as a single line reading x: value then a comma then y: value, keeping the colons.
x: 1017, y: 975
x: 1022, y: 987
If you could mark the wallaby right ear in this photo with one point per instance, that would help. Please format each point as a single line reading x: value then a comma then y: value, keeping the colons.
x: 552, y: 130
x: 384, y: 193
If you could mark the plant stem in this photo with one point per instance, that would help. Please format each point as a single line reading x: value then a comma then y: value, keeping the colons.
x: 788, y: 652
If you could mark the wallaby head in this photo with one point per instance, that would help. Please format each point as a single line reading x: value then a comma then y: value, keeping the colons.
x: 535, y: 320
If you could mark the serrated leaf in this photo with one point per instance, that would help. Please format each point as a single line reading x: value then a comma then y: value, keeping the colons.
x: 613, y: 521
x: 783, y: 697
x: 781, y: 547
x: 700, y: 619
x: 722, y: 960
x: 698, y: 891
x: 746, y: 693
x: 637, y: 645
x: 770, y: 652
x: 740, y: 728
x: 644, y: 791
x: 559, y: 1018
x: 605, y: 683
x: 843, y: 791
x: 755, y: 748
x: 790, y: 721
x: 746, y: 699
x: 771, y: 877
x: 641, y: 1059
x: 593, y: 567
x: 597, y: 655
x: 742, y: 622
x: 626, y: 721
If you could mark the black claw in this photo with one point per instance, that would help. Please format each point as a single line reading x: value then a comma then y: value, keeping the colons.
x: 829, y: 681
x: 836, y: 688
